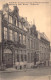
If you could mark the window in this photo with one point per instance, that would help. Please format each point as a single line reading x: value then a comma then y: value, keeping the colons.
x: 10, y: 19
x: 15, y: 34
x: 28, y: 57
x: 24, y: 27
x: 20, y: 37
x: 20, y: 25
x: 10, y: 35
x: 21, y: 57
x: 5, y: 33
x: 31, y: 43
x: 17, y: 57
x: 24, y: 39
x: 31, y: 57
x: 37, y: 57
x: 25, y: 58
x: 28, y: 43
x: 16, y: 22
x: 0, y: 28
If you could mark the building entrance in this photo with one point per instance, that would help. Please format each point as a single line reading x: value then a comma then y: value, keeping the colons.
x: 8, y: 58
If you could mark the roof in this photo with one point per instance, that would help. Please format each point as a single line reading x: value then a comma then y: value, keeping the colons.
x: 43, y: 35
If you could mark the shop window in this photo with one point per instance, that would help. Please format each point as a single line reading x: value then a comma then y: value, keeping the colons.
x: 5, y: 33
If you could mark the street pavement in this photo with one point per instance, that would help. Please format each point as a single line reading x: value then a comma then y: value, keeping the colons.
x: 33, y: 74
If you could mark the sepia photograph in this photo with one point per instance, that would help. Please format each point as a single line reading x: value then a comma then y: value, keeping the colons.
x: 25, y: 40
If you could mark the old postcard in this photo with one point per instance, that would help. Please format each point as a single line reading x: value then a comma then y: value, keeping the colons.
x: 25, y: 40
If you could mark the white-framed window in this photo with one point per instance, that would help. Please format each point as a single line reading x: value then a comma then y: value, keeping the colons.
x: 15, y: 34
x: 5, y: 33
x: 10, y: 35
x: 10, y: 19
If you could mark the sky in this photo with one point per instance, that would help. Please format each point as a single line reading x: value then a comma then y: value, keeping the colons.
x: 38, y: 14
